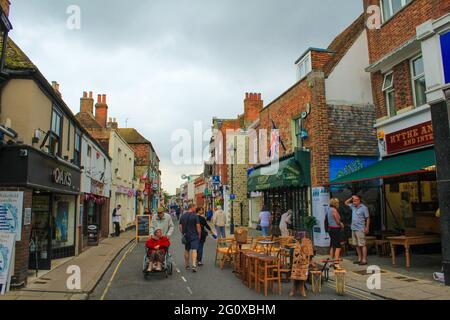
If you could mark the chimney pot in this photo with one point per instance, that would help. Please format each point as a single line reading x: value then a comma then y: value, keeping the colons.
x: 85, y: 94
x: 259, y: 96
x: 104, y: 99
x: 99, y: 98
x: 90, y: 94
x: 246, y: 95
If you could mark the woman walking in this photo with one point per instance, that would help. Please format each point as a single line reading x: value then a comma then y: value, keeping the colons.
x: 335, y: 227
x: 265, y: 221
x: 205, y: 228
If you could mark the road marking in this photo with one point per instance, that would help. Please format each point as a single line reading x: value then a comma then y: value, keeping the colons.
x: 184, y: 279
x: 190, y: 291
x: 116, y: 270
x: 352, y: 293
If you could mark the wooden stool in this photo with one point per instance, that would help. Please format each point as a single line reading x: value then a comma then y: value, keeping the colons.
x: 267, y: 273
x: 252, y: 269
x: 340, y: 281
x: 316, y: 281
x: 244, y: 262
x: 383, y: 248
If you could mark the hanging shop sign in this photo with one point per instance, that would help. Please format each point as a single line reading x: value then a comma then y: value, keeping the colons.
x: 216, y: 180
x: 410, y: 138
x: 97, y: 187
x: 6, y: 249
x: 62, y: 177
x: 11, y: 213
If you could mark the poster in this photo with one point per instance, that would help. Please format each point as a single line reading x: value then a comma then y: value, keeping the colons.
x: 6, y: 249
x: 11, y: 213
x: 320, y: 202
x: 62, y: 220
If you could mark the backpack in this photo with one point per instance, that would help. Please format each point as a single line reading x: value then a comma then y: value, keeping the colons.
x: 114, y: 212
x: 326, y: 222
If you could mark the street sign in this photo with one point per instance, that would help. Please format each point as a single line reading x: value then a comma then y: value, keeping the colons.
x: 232, y: 196
x: 216, y: 180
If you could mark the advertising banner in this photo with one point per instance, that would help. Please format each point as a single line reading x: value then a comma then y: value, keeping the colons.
x: 11, y: 212
x: 6, y: 249
x: 320, y: 202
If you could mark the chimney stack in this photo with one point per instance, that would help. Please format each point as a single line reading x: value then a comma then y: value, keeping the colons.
x: 55, y: 86
x: 101, y: 111
x: 87, y: 103
x: 253, y: 104
x: 112, y: 124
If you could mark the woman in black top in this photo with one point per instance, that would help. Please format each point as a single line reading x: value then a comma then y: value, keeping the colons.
x: 205, y: 226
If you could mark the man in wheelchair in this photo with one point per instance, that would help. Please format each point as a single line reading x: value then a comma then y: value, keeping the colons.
x: 157, y: 247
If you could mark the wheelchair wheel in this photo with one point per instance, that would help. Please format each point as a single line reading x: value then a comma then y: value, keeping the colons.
x: 169, y: 268
x: 144, y: 265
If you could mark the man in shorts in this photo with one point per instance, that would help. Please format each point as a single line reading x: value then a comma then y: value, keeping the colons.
x: 191, y: 229
x: 360, y: 227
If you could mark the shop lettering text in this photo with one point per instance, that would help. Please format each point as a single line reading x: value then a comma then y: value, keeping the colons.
x: 410, y: 138
x: 62, y: 177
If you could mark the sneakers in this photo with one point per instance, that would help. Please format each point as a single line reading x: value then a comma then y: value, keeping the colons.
x: 194, y: 269
x: 200, y: 264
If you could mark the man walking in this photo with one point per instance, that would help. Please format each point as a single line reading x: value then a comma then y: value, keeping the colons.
x: 164, y: 222
x: 219, y: 220
x: 116, y: 220
x: 360, y: 227
x: 191, y: 230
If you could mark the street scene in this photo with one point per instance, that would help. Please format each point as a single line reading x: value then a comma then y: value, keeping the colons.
x: 207, y: 151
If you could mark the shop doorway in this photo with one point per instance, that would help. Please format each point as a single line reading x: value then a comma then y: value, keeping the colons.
x: 41, y: 239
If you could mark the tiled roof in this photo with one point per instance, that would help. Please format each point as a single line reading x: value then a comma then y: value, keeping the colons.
x: 343, y: 42
x: 132, y: 136
x: 16, y: 59
x: 88, y: 121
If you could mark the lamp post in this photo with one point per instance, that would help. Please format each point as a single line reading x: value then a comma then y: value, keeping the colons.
x: 233, y: 149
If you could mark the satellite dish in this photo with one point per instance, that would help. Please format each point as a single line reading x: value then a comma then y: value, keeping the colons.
x: 304, y: 115
x: 184, y: 177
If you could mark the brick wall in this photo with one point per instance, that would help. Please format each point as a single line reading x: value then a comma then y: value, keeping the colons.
x: 141, y: 154
x: 402, y: 27
x: 351, y: 130
x: 252, y: 106
x: 319, y: 59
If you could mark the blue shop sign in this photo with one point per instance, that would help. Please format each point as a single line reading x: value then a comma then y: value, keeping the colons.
x: 341, y: 166
x: 445, y: 48
x: 216, y: 180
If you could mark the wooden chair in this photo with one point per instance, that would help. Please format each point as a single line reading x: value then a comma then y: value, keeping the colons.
x: 267, y: 273
x: 383, y: 248
x: 284, y: 255
x: 224, y: 251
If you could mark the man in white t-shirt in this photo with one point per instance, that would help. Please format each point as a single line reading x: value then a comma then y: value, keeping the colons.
x: 116, y: 220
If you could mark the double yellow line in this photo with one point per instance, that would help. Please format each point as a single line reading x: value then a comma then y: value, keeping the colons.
x: 116, y: 270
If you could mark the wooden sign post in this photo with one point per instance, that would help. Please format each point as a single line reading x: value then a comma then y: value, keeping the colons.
x: 142, y: 227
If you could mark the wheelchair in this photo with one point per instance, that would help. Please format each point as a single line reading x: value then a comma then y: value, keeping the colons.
x: 166, y: 267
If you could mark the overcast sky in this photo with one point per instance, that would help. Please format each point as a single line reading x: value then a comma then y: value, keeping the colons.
x: 167, y: 63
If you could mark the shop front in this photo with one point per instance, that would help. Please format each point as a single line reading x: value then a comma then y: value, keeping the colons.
x: 406, y: 176
x: 53, y: 185
x: 95, y: 211
x: 286, y: 189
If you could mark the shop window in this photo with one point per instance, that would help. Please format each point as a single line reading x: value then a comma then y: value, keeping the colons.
x: 391, y: 7
x: 418, y: 79
x: 63, y: 226
x: 389, y: 93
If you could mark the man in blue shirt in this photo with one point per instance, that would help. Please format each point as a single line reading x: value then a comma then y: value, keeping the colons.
x: 360, y: 227
x: 191, y: 230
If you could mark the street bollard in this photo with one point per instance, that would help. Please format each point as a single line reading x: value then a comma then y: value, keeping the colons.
x: 340, y: 282
x: 316, y: 282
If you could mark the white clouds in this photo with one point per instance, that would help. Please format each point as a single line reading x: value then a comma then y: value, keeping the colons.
x: 165, y: 64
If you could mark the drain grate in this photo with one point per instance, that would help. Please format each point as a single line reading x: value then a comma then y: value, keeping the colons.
x: 46, y: 279
x: 40, y: 282
x: 400, y: 278
x: 410, y: 280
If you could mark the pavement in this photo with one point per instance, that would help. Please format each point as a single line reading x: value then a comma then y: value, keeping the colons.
x: 93, y: 263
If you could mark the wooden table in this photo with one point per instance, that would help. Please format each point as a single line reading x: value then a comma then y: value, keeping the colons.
x: 408, y: 242
x: 267, y: 244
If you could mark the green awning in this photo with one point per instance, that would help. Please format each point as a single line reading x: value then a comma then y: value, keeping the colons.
x: 409, y: 163
x: 289, y: 174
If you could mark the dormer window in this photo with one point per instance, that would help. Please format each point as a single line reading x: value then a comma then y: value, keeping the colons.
x: 304, y: 66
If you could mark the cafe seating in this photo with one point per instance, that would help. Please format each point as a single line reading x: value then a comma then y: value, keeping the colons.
x: 225, y: 251
x: 267, y: 272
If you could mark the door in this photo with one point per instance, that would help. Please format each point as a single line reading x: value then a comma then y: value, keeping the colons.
x: 41, y: 234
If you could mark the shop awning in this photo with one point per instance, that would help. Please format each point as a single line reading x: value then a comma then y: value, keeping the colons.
x: 289, y: 174
x: 410, y: 163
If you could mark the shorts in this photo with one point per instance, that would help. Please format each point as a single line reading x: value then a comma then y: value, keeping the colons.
x: 192, y: 245
x: 335, y: 237
x: 359, y: 238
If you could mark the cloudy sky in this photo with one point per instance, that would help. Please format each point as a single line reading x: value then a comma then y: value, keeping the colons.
x: 167, y: 63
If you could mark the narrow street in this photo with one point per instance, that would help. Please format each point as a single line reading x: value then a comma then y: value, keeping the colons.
x: 126, y: 281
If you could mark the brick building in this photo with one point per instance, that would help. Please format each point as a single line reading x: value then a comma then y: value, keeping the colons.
x: 325, y: 128
x: 409, y: 56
